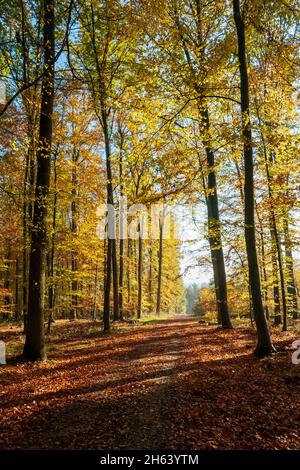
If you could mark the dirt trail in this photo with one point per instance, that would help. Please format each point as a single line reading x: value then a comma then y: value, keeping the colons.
x: 174, y: 384
x: 116, y: 393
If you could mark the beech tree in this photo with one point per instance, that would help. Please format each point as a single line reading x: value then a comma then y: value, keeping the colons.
x: 34, y: 347
x: 159, y: 102
x: 264, y: 343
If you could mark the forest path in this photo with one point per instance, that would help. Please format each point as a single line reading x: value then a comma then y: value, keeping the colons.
x: 109, y: 392
x: 172, y: 384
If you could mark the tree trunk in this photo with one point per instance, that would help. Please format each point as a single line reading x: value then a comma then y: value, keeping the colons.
x: 95, y: 293
x: 51, y: 261
x: 121, y: 277
x: 160, y: 260
x: 212, y: 251
x: 250, y: 305
x: 6, y: 284
x: 29, y: 97
x: 275, y: 279
x: 216, y: 281
x: 134, y: 273
x: 112, y: 245
x: 264, y: 344
x: 140, y: 273
x: 74, y: 228
x: 265, y: 277
x: 121, y: 243
x: 28, y: 196
x: 150, y: 293
x: 242, y: 196
x: 291, y: 284
x: 25, y: 184
x: 34, y: 348
x: 17, y: 303
x: 115, y: 280
x: 25, y: 247
x: 103, y: 116
x: 106, y: 309
x: 275, y: 238
x: 263, y: 263
x: 214, y: 228
x: 276, y: 248
x: 128, y: 270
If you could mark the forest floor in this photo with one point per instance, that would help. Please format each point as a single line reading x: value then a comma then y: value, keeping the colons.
x: 171, y: 384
